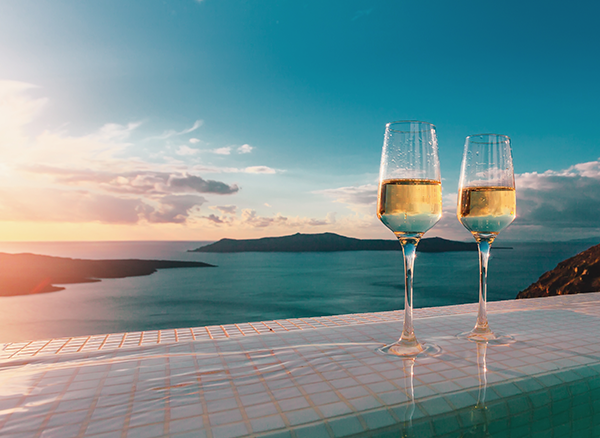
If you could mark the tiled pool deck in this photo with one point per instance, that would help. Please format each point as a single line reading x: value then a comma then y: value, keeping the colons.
x: 312, y: 377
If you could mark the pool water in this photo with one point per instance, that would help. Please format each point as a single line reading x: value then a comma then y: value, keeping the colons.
x: 544, y: 406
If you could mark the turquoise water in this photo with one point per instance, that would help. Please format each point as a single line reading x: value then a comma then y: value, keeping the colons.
x: 258, y: 286
x: 547, y: 410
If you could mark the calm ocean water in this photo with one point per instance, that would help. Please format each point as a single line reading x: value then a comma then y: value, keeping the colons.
x: 258, y: 286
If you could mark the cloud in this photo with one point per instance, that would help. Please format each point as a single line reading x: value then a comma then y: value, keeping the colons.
x: 589, y: 170
x: 353, y: 195
x: 102, y: 176
x: 102, y: 148
x: 114, y: 131
x: 555, y: 204
x: 174, y: 209
x: 226, y: 150
x: 16, y: 106
x: 222, y: 151
x: 201, y: 168
x: 565, y: 199
x: 17, y: 109
x: 187, y: 151
x: 55, y: 205
x: 225, y: 209
x: 140, y: 183
x: 214, y: 219
x: 328, y: 220
x: 361, y: 200
x: 202, y: 186
x: 172, y: 133
x: 259, y: 169
x: 250, y: 219
x: 244, y: 149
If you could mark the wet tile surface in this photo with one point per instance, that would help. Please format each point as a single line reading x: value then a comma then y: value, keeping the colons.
x: 303, y: 377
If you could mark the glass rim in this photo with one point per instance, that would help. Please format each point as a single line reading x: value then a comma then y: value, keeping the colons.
x: 471, y: 138
x: 388, y: 126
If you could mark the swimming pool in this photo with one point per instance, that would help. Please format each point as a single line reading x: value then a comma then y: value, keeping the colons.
x: 315, y: 377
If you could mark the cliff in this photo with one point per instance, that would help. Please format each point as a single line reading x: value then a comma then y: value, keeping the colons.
x: 578, y: 274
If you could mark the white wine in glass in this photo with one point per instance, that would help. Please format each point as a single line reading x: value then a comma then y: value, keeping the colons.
x: 409, y: 204
x: 486, y: 205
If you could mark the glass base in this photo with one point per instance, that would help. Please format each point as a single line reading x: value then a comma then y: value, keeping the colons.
x: 490, y: 337
x: 404, y: 349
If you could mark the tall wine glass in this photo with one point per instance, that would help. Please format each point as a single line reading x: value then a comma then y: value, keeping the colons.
x: 409, y: 204
x: 486, y: 205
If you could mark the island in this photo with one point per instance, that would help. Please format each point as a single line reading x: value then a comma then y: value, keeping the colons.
x: 579, y: 274
x: 23, y: 274
x: 328, y: 242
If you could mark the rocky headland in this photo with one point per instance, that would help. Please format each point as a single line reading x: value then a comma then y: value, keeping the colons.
x: 328, y: 242
x: 23, y: 274
x: 578, y: 274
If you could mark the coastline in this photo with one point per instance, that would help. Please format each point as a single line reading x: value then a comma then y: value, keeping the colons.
x: 259, y: 286
x: 328, y: 242
x: 28, y: 274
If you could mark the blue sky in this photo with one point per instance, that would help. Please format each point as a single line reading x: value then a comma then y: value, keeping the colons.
x: 201, y: 120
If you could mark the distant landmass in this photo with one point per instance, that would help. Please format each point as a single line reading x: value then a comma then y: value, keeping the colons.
x: 579, y: 274
x: 22, y: 274
x: 328, y: 242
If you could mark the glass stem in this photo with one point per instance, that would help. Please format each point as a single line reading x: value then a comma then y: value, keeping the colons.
x: 409, y: 249
x: 484, y: 245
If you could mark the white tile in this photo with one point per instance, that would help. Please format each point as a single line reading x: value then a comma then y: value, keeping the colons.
x: 225, y: 417
x: 185, y: 425
x: 302, y: 416
x: 321, y: 377
x: 230, y: 431
x: 261, y: 410
x: 269, y: 423
x: 221, y: 405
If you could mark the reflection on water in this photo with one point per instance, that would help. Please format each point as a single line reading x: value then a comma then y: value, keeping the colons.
x: 409, y: 385
x: 482, y: 373
x: 478, y: 423
x: 543, y: 406
x: 192, y: 374
x: 479, y: 416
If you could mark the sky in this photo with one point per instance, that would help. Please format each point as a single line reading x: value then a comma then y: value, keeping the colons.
x: 199, y: 120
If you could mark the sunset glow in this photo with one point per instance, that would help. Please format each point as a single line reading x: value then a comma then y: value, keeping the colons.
x: 203, y: 125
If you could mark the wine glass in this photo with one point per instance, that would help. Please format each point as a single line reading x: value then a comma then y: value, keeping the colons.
x: 486, y: 205
x: 409, y: 204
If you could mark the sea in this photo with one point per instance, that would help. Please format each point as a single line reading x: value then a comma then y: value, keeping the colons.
x: 246, y: 287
